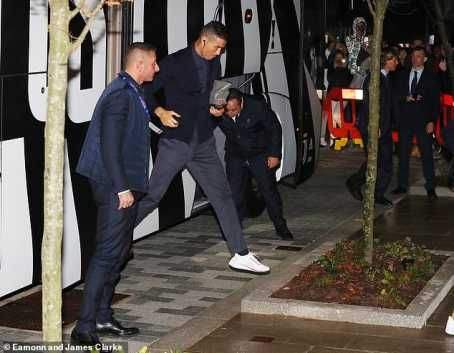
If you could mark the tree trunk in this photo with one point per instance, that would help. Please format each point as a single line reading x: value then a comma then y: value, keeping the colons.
x: 374, y: 117
x: 440, y: 21
x: 59, y: 45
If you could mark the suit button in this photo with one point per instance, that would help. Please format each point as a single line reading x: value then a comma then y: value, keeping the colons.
x: 237, y: 136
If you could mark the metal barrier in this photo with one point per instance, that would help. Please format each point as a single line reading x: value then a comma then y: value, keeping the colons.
x: 334, y: 106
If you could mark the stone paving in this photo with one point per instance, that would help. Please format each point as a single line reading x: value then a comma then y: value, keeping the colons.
x: 180, y: 272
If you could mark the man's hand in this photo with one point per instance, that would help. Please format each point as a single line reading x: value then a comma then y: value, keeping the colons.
x: 443, y: 65
x: 430, y: 128
x: 410, y: 99
x: 272, y: 162
x: 167, y: 117
x: 217, y: 112
x: 125, y: 200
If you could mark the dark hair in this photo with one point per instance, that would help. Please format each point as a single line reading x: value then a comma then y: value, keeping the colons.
x: 419, y: 48
x: 142, y: 46
x: 388, y: 54
x: 235, y: 93
x: 214, y: 28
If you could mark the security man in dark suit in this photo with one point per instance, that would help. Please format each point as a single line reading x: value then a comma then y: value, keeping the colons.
x: 418, y: 96
x: 389, y: 62
x: 187, y: 78
x: 253, y: 144
x: 115, y: 159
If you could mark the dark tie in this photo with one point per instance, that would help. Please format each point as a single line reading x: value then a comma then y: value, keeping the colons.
x: 414, y: 83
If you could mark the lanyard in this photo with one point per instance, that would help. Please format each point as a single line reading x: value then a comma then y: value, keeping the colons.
x: 144, y: 105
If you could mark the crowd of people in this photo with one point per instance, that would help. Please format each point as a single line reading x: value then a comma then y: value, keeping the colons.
x: 412, y: 79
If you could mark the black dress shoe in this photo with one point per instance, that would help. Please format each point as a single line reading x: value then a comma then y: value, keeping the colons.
x: 284, y: 234
x: 381, y: 200
x: 432, y: 195
x: 84, y: 338
x: 354, y: 191
x: 115, y: 328
x: 399, y: 190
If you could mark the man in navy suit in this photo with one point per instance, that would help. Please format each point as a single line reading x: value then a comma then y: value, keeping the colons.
x: 253, y: 144
x: 418, y: 95
x: 187, y: 78
x: 115, y: 159
x: 356, y: 181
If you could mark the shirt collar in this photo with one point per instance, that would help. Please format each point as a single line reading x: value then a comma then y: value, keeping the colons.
x: 384, y: 72
x: 198, y: 59
x: 419, y: 71
x: 128, y: 77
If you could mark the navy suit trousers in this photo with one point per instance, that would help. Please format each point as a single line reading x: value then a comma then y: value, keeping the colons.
x: 407, y: 129
x: 113, y: 241
x: 237, y: 174
x: 384, y: 167
x: 202, y: 161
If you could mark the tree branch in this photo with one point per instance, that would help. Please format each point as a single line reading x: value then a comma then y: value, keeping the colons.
x: 91, y: 15
x: 78, y: 9
x: 448, y: 8
x: 371, y: 7
x: 428, y: 12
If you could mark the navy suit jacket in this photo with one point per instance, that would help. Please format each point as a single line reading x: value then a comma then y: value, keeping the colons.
x: 116, y: 150
x: 184, y: 94
x: 424, y: 111
x: 387, y: 105
x: 256, y: 131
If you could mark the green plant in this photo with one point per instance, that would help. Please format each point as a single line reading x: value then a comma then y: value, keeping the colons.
x: 396, y: 267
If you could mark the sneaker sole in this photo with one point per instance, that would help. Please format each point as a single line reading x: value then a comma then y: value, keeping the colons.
x: 248, y: 271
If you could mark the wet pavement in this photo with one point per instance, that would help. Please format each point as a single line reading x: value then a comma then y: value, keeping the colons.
x: 428, y: 223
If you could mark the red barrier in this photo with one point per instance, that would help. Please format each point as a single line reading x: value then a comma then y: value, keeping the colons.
x: 347, y: 129
x: 447, y: 114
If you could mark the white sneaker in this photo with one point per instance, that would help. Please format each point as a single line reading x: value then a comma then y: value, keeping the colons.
x: 450, y: 326
x: 248, y: 263
x: 323, y: 142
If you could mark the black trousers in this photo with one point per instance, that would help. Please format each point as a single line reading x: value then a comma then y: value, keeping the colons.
x: 113, y: 240
x: 384, y: 167
x: 424, y: 140
x: 237, y: 169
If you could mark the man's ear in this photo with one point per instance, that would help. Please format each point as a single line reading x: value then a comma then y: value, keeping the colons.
x: 425, y: 58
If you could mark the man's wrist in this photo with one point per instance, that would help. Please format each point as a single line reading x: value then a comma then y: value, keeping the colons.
x: 158, y: 111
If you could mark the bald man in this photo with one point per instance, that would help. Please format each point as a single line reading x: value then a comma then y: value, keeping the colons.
x: 115, y: 159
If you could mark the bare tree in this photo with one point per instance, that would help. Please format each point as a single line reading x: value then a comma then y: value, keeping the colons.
x: 378, y: 10
x: 61, y: 45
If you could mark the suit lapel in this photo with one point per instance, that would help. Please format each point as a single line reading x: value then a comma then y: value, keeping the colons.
x: 421, y: 79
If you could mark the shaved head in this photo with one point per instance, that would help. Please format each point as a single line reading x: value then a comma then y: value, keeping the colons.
x: 140, y: 62
x: 137, y: 52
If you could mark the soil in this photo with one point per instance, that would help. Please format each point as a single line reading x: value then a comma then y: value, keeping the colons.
x: 342, y: 276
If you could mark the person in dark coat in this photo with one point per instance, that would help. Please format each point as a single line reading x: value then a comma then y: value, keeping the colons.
x: 418, y: 97
x: 355, y: 182
x: 187, y: 77
x: 253, y: 145
x: 115, y: 159
x: 339, y: 75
